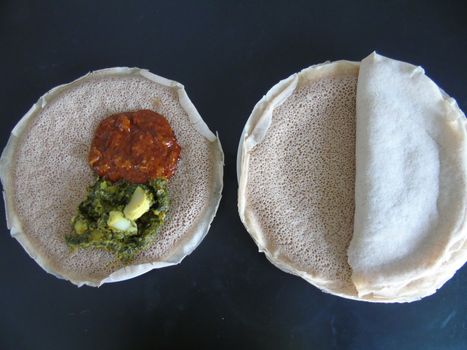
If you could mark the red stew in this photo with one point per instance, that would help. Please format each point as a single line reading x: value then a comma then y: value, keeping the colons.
x: 134, y: 146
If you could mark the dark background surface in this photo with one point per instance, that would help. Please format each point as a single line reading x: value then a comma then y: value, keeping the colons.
x: 227, y: 54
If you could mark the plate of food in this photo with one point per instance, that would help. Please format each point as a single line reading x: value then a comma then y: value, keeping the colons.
x: 110, y: 176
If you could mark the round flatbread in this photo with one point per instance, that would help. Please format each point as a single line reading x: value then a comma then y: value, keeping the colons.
x: 352, y: 175
x: 45, y: 173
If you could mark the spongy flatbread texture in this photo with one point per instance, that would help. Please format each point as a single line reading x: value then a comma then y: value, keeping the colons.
x: 300, y: 187
x: 50, y: 171
x: 409, y: 232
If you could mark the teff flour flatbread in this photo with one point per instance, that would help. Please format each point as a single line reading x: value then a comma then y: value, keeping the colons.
x: 45, y: 173
x: 298, y: 166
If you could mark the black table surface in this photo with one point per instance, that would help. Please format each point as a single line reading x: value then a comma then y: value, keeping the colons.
x: 227, y: 54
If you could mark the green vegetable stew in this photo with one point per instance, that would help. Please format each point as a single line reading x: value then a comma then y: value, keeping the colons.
x: 120, y: 217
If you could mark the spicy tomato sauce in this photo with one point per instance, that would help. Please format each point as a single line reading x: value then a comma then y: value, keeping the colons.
x: 134, y: 146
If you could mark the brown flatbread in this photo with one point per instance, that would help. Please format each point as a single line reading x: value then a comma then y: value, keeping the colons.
x: 45, y: 173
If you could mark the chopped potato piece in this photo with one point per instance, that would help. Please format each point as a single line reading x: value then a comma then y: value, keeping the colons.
x: 139, y: 204
x: 118, y: 222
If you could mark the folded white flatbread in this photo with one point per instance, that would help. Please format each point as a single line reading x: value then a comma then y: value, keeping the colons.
x: 352, y: 175
x: 410, y: 194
